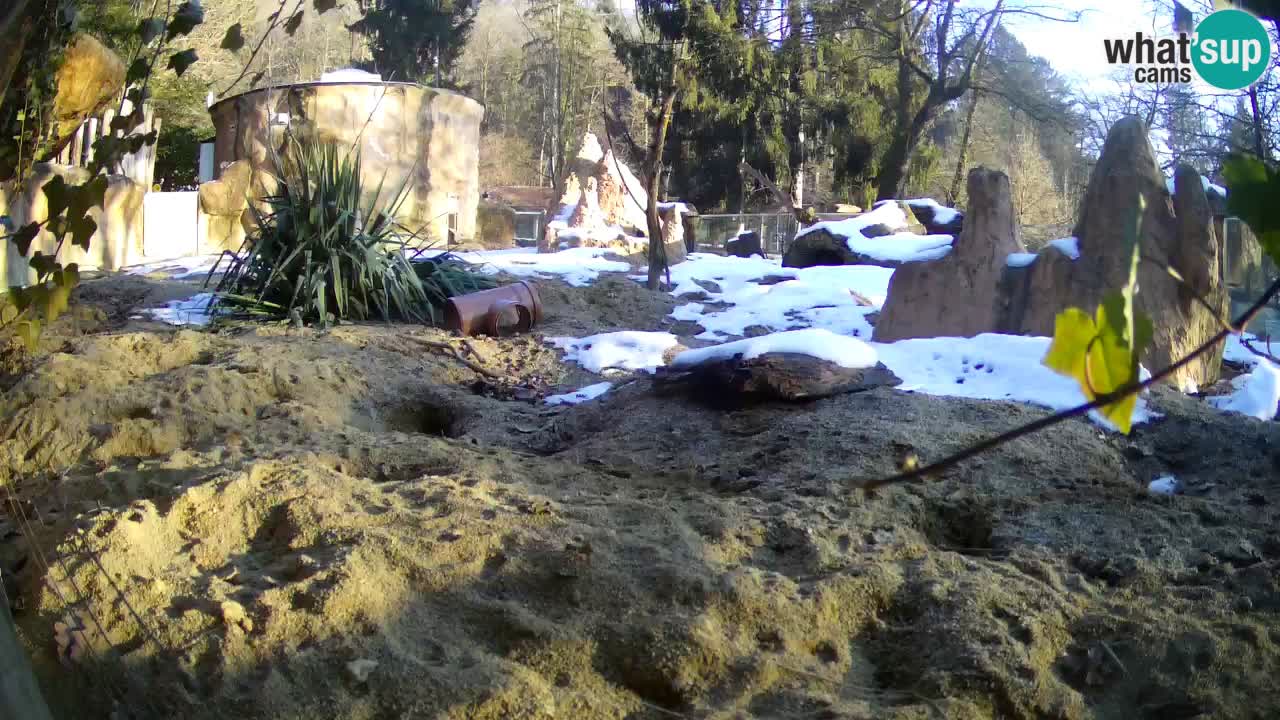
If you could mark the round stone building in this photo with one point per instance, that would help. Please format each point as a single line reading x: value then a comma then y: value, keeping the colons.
x: 424, y: 138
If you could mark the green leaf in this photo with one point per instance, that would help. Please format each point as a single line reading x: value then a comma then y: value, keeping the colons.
x: 82, y: 230
x: 293, y: 23
x: 57, y: 195
x: 44, y: 265
x: 188, y: 16
x: 150, y: 29
x: 1254, y: 186
x: 1099, y: 354
x: 324, y: 6
x: 180, y: 61
x: 138, y: 71
x: 233, y: 40
x: 24, y: 236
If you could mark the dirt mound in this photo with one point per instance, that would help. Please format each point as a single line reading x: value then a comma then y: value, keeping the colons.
x: 273, y: 523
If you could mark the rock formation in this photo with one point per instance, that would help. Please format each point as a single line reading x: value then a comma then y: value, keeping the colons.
x: 956, y: 294
x: 846, y: 242
x: 603, y: 206
x: 1177, y: 231
x: 744, y: 245
x: 984, y: 287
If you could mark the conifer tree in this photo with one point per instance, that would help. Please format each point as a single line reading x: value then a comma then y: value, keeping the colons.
x: 416, y: 40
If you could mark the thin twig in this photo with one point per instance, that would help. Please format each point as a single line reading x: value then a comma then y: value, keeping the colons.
x: 452, y: 351
x: 1102, y: 401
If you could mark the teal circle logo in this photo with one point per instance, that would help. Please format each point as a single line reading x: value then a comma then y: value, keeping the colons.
x: 1232, y: 49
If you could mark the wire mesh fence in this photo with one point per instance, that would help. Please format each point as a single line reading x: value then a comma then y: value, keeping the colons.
x: 775, y: 230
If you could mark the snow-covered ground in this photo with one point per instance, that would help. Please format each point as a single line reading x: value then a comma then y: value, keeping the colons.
x: 829, y: 304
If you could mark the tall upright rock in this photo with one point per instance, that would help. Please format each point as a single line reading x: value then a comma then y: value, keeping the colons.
x: 1176, y: 231
x: 955, y: 295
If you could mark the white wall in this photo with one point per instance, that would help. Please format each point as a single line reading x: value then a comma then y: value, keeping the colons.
x: 172, y: 224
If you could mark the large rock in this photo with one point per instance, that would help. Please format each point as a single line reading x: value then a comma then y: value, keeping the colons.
x: 937, y: 220
x: 91, y: 76
x: 773, y: 376
x: 955, y: 296
x: 1176, y: 230
x: 744, y: 245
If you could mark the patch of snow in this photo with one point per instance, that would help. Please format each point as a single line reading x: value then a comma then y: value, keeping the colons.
x: 1020, y: 259
x: 582, y: 395
x: 625, y: 350
x: 902, y: 247
x: 577, y: 266
x: 1256, y: 394
x: 989, y: 366
x: 941, y: 214
x: 1209, y: 187
x: 1164, y: 485
x: 182, y: 268
x: 889, y: 214
x: 349, y: 75
x: 817, y: 297
x: 192, y: 311
x: 815, y: 342
x: 1069, y: 246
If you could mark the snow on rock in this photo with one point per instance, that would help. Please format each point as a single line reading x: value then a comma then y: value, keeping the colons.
x: 578, y: 266
x: 1164, y: 485
x: 346, y: 75
x: 1209, y: 188
x: 941, y: 214
x: 1256, y: 393
x: 822, y: 344
x: 625, y: 350
x: 988, y: 366
x: 900, y: 246
x: 1018, y: 260
x: 827, y: 297
x: 195, y: 310
x: 1069, y: 246
x: 582, y: 395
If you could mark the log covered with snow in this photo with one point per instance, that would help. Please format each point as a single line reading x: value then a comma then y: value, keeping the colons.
x: 793, y: 365
x: 888, y: 236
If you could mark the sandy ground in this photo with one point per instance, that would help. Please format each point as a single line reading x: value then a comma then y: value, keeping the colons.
x: 276, y: 523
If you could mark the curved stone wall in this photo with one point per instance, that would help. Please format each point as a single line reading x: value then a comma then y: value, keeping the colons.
x: 424, y: 138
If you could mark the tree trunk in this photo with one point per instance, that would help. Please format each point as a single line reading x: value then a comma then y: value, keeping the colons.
x: 1259, y: 146
x: 14, y: 27
x: 653, y: 179
x: 958, y: 178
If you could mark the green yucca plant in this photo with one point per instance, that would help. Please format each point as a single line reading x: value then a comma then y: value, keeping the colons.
x: 325, y: 253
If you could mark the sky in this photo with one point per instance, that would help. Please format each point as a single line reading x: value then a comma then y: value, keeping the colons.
x: 1075, y: 49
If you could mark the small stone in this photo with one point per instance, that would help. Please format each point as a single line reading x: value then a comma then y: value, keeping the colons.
x: 235, y: 617
x: 358, y: 670
x: 1244, y: 604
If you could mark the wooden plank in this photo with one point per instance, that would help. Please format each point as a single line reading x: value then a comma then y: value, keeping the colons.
x: 19, y: 693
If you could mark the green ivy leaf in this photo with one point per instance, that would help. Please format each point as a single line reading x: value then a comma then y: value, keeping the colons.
x: 188, y: 16
x: 44, y: 265
x: 82, y: 230
x: 324, y: 6
x: 138, y: 71
x: 234, y: 39
x: 293, y: 23
x: 1253, y: 188
x: 150, y: 29
x: 57, y: 195
x: 179, y: 62
x: 24, y: 236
